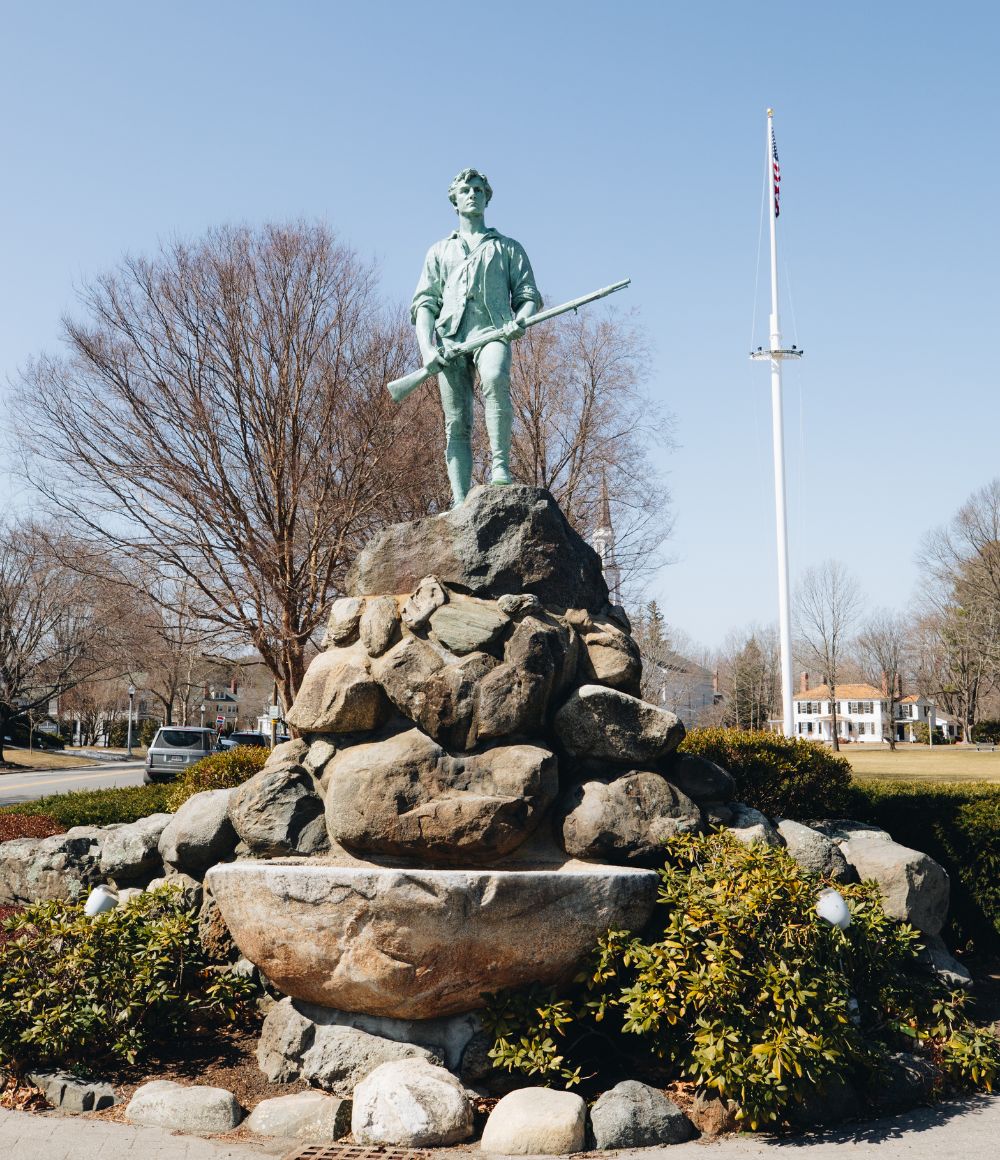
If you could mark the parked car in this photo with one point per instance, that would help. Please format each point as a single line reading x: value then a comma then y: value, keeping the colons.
x: 174, y: 748
x: 244, y: 738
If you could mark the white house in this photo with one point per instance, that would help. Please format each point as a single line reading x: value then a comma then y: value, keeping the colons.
x: 913, y: 709
x: 863, y: 714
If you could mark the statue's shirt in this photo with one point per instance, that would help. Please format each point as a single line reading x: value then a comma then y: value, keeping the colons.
x: 470, y: 290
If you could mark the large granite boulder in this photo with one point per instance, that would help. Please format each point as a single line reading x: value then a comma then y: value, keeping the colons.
x: 130, y: 853
x: 359, y: 937
x: 603, y: 723
x: 279, y: 811
x: 625, y: 821
x: 339, y: 695
x: 199, y: 834
x: 502, y: 540
x: 635, y: 1115
x: 411, y: 1104
x: 702, y: 780
x: 403, y: 794
x: 536, y: 1122
x: 914, y: 888
x: 465, y: 625
x: 63, y: 867
x: 609, y: 656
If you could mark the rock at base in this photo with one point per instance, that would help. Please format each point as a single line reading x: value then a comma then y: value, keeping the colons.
x: 199, y: 834
x: 63, y: 867
x: 464, y: 625
x: 536, y: 1121
x: 71, y: 1094
x: 161, y: 1103
x: 748, y: 826
x: 914, y: 888
x: 308, y: 1115
x: 502, y: 540
x: 635, y: 1115
x: 607, y: 724
x: 625, y: 821
x: 814, y: 852
x: 129, y: 853
x: 411, y: 1104
x: 341, y: 1057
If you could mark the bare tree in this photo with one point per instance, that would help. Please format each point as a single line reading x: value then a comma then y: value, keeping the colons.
x: 961, y: 627
x: 883, y: 650
x: 221, y: 415
x: 53, y: 634
x: 581, y: 417
x: 827, y: 604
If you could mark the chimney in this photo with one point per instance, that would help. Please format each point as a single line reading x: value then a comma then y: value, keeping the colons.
x: 803, y: 682
x: 885, y: 684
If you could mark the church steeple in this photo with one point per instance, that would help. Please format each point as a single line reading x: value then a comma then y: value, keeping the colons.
x: 604, y: 544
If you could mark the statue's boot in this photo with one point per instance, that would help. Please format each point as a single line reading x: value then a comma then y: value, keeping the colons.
x: 498, y: 421
x: 458, y: 459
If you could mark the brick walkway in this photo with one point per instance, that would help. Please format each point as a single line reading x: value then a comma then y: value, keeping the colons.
x: 51, y: 1136
x: 959, y: 1131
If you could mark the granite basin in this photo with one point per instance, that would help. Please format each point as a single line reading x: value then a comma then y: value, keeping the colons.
x: 421, y: 943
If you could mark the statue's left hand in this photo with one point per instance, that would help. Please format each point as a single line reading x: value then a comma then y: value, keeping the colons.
x: 513, y: 329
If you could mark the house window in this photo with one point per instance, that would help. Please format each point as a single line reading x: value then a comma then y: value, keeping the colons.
x: 861, y: 707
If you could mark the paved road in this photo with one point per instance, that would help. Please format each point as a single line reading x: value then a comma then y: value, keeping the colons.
x: 26, y: 785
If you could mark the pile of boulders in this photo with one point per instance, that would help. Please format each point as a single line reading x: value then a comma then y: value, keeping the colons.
x: 476, y: 792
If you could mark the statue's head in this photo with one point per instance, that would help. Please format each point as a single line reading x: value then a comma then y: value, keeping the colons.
x: 467, y: 175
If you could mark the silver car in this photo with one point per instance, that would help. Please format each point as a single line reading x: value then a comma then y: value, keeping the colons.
x: 174, y: 748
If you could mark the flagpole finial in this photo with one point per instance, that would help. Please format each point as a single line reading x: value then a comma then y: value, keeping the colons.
x: 770, y: 112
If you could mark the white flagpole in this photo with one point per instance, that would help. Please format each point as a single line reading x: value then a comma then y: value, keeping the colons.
x: 775, y: 355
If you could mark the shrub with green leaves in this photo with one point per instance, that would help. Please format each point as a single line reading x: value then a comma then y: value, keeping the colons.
x: 98, y: 807
x: 959, y: 826
x: 741, y: 988
x: 78, y: 991
x: 782, y: 777
x: 223, y: 770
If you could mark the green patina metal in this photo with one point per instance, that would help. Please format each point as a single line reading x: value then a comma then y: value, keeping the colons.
x: 475, y: 281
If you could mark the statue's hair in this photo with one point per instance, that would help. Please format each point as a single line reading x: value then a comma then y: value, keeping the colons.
x: 466, y: 175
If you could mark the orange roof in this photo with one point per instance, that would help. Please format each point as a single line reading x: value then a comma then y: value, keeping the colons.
x: 910, y: 699
x: 845, y: 692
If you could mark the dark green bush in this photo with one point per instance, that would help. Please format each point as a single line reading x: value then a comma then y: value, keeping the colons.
x: 959, y: 826
x: 99, y: 807
x: 781, y: 777
x: 986, y: 731
x: 741, y: 988
x: 223, y: 770
x: 78, y: 991
x: 146, y: 733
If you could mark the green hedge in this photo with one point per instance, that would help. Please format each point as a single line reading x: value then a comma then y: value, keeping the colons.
x: 959, y: 826
x: 223, y: 770
x: 781, y: 777
x: 99, y: 807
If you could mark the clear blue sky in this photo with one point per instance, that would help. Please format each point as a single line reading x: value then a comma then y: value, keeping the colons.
x: 621, y: 139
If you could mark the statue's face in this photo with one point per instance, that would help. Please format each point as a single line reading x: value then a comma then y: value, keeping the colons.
x: 470, y: 196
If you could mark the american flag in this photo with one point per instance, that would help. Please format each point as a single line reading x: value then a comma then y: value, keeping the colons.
x: 777, y: 176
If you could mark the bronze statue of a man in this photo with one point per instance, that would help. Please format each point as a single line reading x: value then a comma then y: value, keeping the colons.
x: 474, y: 281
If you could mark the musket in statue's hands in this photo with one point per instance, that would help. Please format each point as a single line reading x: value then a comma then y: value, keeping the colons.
x: 441, y: 356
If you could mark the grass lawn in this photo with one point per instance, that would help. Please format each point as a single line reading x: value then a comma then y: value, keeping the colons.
x: 922, y: 763
x: 18, y: 758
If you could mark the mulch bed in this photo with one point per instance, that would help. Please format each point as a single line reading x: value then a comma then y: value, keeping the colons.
x: 225, y: 1059
x: 28, y: 826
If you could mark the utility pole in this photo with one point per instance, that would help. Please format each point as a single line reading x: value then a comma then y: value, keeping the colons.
x: 775, y: 355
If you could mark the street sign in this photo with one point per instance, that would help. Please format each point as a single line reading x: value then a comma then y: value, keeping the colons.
x: 220, y: 720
